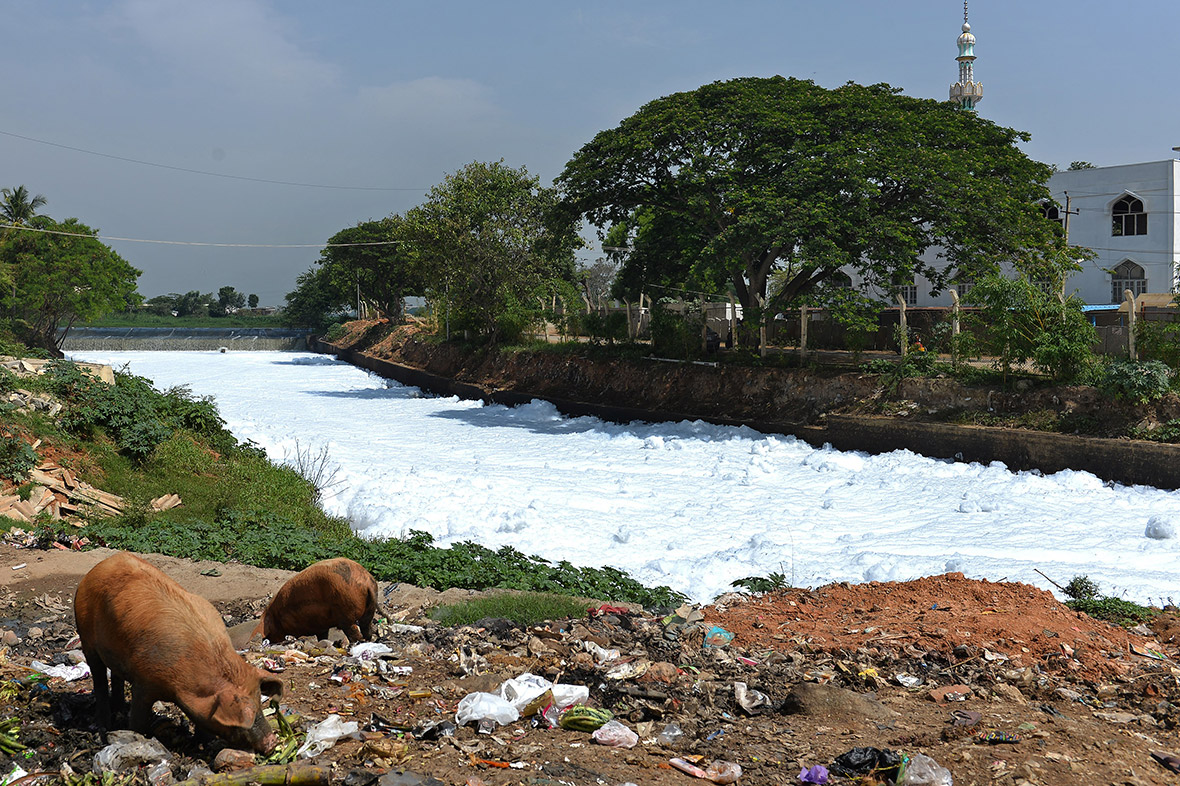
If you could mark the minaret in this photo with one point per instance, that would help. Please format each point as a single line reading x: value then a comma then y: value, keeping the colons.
x: 966, y: 92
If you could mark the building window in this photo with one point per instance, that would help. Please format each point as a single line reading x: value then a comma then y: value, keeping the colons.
x: 839, y: 280
x: 963, y: 286
x: 909, y: 293
x: 1127, y: 275
x: 1052, y: 212
x: 1128, y: 217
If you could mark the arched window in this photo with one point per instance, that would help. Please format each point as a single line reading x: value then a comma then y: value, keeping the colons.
x: 839, y: 280
x: 1052, y: 212
x: 1128, y: 217
x: 1127, y: 275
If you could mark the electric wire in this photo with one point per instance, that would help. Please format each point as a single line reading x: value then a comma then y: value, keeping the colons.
x: 196, y: 243
x: 205, y: 172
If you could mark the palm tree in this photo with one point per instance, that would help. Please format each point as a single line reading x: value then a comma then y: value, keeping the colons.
x: 16, y: 207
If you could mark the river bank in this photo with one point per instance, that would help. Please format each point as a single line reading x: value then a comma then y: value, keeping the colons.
x: 849, y: 410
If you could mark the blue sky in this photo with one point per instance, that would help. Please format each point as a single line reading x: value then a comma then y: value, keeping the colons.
x: 395, y: 95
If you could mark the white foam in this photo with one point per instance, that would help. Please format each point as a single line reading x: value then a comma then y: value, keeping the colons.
x: 688, y: 504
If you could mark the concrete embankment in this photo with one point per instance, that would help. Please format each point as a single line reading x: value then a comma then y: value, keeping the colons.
x: 1120, y: 460
x: 140, y: 339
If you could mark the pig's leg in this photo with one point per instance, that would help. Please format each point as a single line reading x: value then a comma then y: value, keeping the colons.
x: 118, y: 693
x: 102, y: 699
x: 365, y: 623
x: 141, y: 709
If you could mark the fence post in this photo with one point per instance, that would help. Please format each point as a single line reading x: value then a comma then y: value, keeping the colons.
x: 733, y: 332
x: 802, y: 332
x: 954, y: 327
x: 1129, y: 297
x: 904, y: 340
x: 704, y: 326
x: 630, y: 327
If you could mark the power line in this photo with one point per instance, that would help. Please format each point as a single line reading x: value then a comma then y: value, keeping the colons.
x: 204, y: 172
x: 196, y: 243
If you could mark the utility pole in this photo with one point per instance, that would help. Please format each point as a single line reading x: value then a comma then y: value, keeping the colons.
x: 1065, y: 226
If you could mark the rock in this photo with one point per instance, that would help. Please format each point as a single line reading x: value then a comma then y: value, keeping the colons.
x: 1009, y: 692
x: 9, y: 638
x: 1117, y: 717
x: 34, y: 633
x: 662, y: 671
x: 231, y: 760
x: 951, y: 693
x: 830, y: 701
x: 406, y: 778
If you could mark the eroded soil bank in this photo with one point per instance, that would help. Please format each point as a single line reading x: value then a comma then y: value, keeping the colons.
x: 1046, y: 428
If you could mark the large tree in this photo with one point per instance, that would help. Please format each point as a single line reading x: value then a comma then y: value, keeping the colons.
x: 491, y: 243
x: 373, y: 257
x: 63, y: 274
x: 735, y: 181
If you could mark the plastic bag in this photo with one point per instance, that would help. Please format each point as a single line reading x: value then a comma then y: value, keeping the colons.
x: 522, y: 691
x: 925, y: 771
x: 369, y: 650
x: 601, y: 654
x: 129, y: 751
x: 67, y: 673
x: 324, y: 735
x: 485, y: 706
x: 752, y: 701
x: 671, y: 734
x: 616, y: 735
x: 723, y: 771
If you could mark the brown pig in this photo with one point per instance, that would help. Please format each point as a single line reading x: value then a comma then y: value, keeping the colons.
x: 332, y: 593
x: 172, y: 646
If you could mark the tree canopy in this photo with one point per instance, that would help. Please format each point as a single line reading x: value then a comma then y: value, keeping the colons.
x: 63, y: 274
x: 491, y: 242
x: 726, y: 184
x: 371, y: 256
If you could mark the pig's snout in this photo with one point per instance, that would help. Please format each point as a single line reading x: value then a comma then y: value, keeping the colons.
x: 268, y: 743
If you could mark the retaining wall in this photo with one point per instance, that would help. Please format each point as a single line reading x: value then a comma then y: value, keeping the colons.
x: 138, y: 339
x: 1119, y: 460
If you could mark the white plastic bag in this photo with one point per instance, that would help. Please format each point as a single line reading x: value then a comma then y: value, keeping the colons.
x: 520, y: 692
x: 324, y: 735
x: 369, y: 650
x: 485, y: 706
x: 925, y: 771
x: 615, y: 735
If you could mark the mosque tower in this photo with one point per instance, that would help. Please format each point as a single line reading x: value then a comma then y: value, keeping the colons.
x: 966, y: 92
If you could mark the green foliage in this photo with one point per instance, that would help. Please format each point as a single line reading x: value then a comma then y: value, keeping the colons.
x: 675, y: 333
x: 17, y: 458
x: 742, y: 179
x: 317, y: 302
x: 1116, y: 610
x: 1018, y: 321
x: 523, y: 608
x: 1164, y: 432
x: 491, y: 245
x: 63, y: 275
x: 1136, y: 381
x: 131, y: 412
x: 609, y: 327
x: 228, y: 301
x: 1158, y: 341
x: 376, y: 258
x: 773, y: 582
x: 1081, y: 588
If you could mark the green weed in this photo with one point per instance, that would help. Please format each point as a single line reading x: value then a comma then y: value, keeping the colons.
x: 523, y: 608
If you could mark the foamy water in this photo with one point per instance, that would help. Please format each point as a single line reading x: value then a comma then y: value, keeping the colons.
x: 691, y: 505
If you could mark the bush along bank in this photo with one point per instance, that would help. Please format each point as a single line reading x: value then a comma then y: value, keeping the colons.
x: 139, y: 443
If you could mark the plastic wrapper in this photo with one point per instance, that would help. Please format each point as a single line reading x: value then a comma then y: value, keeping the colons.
x: 325, y: 734
x: 723, y: 771
x: 671, y: 734
x: 921, y: 770
x: 130, y: 751
x: 615, y: 735
x: 475, y: 707
x: 526, y: 689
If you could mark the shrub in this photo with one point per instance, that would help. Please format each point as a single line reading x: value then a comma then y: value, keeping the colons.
x: 1136, y: 381
x: 675, y: 334
x: 17, y: 459
x: 1081, y: 588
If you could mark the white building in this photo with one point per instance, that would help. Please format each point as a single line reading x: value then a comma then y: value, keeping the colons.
x: 1128, y: 215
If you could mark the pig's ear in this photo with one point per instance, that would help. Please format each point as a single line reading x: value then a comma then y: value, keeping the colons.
x: 230, y: 711
x: 271, y: 685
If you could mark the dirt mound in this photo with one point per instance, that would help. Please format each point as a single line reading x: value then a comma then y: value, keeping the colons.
x: 958, y: 618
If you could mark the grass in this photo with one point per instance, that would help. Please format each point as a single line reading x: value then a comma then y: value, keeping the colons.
x: 523, y: 608
x: 1116, y: 610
